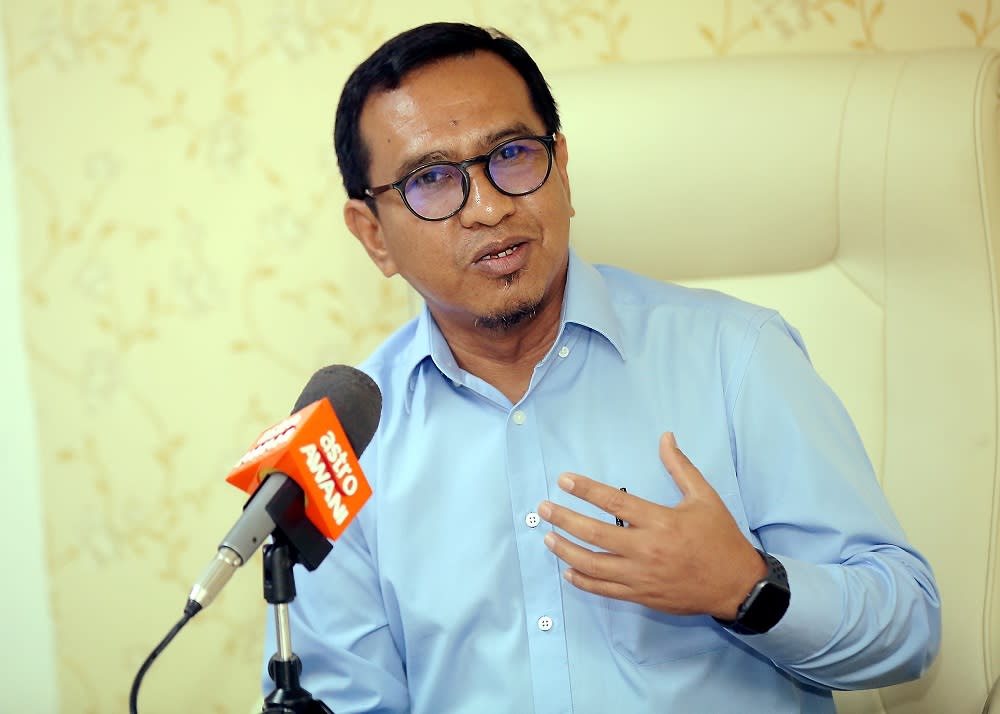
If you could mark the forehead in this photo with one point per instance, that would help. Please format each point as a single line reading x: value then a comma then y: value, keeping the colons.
x: 451, y: 107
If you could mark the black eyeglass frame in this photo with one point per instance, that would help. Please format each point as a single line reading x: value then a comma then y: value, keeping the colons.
x: 548, y: 140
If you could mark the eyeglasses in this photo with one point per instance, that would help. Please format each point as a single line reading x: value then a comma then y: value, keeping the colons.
x: 437, y: 191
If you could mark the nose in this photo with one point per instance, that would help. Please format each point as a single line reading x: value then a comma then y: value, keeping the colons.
x: 486, y: 205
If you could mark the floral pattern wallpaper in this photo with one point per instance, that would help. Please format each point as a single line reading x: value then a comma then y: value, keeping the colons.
x: 185, y: 268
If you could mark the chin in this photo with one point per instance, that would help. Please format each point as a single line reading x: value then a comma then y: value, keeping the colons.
x: 510, y: 317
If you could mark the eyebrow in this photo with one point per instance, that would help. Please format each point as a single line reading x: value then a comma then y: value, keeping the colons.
x: 489, y: 141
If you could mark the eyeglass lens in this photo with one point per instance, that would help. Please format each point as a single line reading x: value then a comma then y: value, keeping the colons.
x: 516, y: 167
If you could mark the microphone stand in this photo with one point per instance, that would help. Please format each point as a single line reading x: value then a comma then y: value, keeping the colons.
x: 295, y: 540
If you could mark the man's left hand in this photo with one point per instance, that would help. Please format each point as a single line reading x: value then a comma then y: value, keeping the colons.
x: 686, y: 559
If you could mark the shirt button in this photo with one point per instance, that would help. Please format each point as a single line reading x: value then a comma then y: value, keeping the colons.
x: 519, y: 417
x: 532, y: 520
x: 544, y: 624
x: 564, y: 351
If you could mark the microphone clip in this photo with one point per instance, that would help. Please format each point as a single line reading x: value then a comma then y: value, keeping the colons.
x: 292, y: 527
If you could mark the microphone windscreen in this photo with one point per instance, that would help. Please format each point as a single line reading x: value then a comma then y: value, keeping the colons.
x: 355, y: 398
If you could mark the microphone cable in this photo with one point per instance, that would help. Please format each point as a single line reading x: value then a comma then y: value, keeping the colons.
x: 190, y: 610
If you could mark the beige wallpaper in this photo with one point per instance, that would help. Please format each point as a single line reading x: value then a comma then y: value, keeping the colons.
x: 185, y: 268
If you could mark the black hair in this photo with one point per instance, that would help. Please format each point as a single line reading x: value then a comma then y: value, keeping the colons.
x: 386, y: 68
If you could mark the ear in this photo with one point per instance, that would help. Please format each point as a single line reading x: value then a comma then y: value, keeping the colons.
x: 367, y: 228
x: 562, y: 161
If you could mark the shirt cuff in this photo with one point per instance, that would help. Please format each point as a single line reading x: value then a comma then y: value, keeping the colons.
x: 815, y: 611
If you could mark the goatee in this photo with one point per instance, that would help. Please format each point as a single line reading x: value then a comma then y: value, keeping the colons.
x: 504, y: 321
x: 512, y: 317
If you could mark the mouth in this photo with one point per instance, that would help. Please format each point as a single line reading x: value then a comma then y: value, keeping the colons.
x: 503, y: 259
x: 496, y: 253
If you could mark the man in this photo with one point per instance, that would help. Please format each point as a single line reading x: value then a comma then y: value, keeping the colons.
x: 537, y: 540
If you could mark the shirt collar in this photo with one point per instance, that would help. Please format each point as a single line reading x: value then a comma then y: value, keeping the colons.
x: 587, y: 303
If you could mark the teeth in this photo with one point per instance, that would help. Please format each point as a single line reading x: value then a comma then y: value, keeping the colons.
x: 502, y: 254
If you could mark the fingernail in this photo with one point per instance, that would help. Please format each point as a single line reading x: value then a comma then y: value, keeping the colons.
x: 550, y: 540
x: 568, y: 575
x: 566, y: 483
x: 545, y: 509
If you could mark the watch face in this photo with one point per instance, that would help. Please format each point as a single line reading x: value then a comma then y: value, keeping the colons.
x: 766, y: 604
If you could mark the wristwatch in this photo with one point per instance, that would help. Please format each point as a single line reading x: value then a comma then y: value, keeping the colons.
x: 766, y: 603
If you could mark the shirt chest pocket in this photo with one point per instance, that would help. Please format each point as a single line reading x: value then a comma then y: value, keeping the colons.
x: 648, y: 637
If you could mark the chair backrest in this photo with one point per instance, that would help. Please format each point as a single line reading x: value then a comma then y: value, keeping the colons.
x: 860, y: 196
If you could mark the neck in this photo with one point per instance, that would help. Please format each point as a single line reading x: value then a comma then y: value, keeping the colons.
x: 505, y: 355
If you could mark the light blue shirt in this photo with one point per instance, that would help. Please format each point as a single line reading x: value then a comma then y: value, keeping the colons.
x: 441, y: 597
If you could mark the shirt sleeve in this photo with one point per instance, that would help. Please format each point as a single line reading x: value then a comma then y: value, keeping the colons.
x: 864, y: 610
x: 339, y: 631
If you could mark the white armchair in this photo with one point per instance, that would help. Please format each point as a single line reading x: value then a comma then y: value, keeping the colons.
x: 859, y: 195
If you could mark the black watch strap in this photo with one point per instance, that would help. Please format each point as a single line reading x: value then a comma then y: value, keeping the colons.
x: 766, y: 603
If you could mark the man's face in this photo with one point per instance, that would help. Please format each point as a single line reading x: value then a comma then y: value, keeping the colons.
x: 499, y: 255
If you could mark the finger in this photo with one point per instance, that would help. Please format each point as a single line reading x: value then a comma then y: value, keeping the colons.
x: 607, y: 588
x: 685, y: 474
x: 601, y: 534
x: 601, y: 566
x: 612, y: 500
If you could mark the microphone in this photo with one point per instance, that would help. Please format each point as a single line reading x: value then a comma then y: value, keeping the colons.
x: 305, y: 467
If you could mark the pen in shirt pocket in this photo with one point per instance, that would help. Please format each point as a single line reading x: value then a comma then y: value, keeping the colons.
x: 619, y: 521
